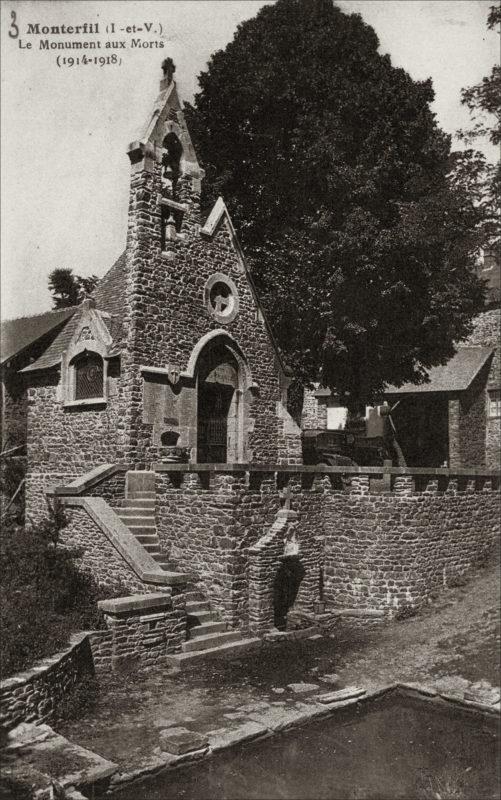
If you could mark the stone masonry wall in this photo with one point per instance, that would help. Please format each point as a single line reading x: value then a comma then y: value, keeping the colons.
x: 314, y: 413
x: 168, y: 314
x: 473, y: 416
x: 64, y: 443
x: 97, y: 556
x: 392, y: 550
x: 141, y: 635
x: 111, y: 489
x: 203, y: 528
x: 383, y: 541
x: 35, y: 694
x: 487, y: 334
x: 207, y: 522
x: 14, y: 409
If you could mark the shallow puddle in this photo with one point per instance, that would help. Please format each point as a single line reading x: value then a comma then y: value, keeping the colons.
x: 394, y: 748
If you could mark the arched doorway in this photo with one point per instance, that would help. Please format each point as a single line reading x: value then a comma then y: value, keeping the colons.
x: 219, y: 395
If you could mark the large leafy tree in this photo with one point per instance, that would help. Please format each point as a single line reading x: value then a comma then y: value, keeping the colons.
x: 335, y: 173
x: 471, y: 172
x: 68, y: 289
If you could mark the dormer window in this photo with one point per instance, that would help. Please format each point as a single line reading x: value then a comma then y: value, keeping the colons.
x: 89, y: 376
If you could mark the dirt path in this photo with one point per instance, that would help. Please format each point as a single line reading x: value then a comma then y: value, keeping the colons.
x: 458, y: 635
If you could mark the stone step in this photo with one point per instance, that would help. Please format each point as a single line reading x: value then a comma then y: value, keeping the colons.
x: 230, y: 650
x: 138, y: 522
x: 167, y: 566
x: 148, y: 538
x: 207, y: 627
x: 192, y: 595
x: 195, y: 606
x: 135, y: 511
x: 203, y: 616
x: 148, y: 529
x: 160, y: 556
x: 210, y: 640
x: 153, y: 549
x: 177, y: 578
x: 138, y: 502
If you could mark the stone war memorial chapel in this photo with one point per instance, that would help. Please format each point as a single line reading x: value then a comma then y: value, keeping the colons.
x: 157, y: 413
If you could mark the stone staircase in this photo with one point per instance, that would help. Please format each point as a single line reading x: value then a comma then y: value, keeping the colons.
x: 138, y: 513
x: 207, y: 635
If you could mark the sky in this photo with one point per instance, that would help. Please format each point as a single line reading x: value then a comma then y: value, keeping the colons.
x: 65, y: 129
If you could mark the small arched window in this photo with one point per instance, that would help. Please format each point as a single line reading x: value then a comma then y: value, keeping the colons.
x: 89, y: 376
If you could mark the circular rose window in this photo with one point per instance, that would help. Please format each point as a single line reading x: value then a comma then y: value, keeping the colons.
x: 221, y: 298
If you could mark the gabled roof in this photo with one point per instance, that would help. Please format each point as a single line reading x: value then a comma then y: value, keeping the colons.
x: 55, y: 350
x: 220, y: 212
x: 455, y: 376
x: 18, y: 334
x: 52, y: 356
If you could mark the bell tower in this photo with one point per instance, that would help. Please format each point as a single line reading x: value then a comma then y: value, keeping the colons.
x: 165, y: 158
x: 199, y: 363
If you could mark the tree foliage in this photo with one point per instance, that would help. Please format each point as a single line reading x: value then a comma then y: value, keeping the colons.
x: 470, y: 169
x: 335, y: 173
x: 68, y: 289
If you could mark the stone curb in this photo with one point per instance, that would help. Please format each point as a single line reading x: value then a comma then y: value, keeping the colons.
x: 315, y: 711
x: 430, y: 693
x: 254, y: 730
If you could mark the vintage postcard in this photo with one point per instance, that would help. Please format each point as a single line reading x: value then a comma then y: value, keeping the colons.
x: 251, y: 404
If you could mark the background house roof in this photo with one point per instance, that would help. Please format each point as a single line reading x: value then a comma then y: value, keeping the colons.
x: 18, y: 334
x: 455, y: 376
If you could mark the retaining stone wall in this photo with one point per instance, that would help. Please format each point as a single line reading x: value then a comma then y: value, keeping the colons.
x: 203, y: 530
x: 384, y: 541
x: 207, y: 522
x: 392, y: 550
x: 34, y: 695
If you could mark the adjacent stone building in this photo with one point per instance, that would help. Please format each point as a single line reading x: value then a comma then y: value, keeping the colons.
x: 454, y: 419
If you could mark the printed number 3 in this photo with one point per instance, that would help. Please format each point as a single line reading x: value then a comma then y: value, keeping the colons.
x: 14, y: 31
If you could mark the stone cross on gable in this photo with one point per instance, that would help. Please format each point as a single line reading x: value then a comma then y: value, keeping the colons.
x: 168, y: 69
x: 285, y: 497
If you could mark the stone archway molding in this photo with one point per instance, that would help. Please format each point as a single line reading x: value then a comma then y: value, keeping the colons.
x: 234, y: 348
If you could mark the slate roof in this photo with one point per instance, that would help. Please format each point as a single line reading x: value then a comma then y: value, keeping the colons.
x: 55, y: 350
x: 52, y: 355
x: 455, y: 376
x: 109, y: 293
x: 18, y: 334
